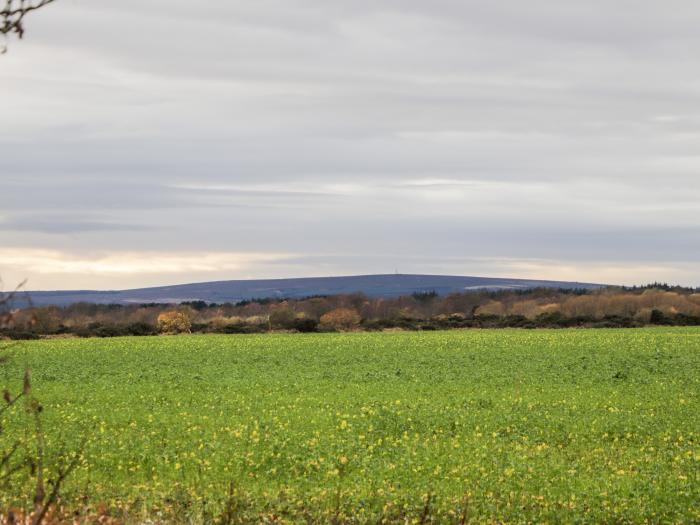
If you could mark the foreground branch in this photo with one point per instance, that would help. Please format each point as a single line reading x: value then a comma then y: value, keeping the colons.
x: 12, y: 16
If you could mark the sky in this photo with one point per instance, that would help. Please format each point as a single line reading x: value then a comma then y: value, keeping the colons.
x: 162, y: 142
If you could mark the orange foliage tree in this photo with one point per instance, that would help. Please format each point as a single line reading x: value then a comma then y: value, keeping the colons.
x: 341, y: 319
x: 174, y: 322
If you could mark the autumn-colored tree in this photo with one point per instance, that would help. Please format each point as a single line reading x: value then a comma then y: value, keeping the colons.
x: 174, y: 322
x: 341, y: 319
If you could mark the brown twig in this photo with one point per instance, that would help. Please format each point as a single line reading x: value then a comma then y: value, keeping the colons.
x: 8, y: 11
x: 63, y: 473
x: 11, y: 402
x: 426, y: 509
x: 227, y: 518
x: 40, y: 492
x: 12, y: 16
x: 465, y: 511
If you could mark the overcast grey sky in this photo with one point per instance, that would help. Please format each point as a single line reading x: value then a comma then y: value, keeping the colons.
x: 164, y: 141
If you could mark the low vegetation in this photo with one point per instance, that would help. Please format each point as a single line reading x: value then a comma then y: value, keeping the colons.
x: 497, y: 426
x: 538, y: 308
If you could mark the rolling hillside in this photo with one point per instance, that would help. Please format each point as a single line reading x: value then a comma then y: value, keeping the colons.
x: 233, y: 291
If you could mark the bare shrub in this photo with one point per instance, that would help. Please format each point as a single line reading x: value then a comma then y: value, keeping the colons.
x: 220, y: 322
x: 581, y: 306
x: 282, y: 317
x: 491, y: 308
x: 532, y: 308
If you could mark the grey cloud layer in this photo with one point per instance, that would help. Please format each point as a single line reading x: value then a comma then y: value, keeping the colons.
x: 430, y: 131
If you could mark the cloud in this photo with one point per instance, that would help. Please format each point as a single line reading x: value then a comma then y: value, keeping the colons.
x: 55, y: 262
x: 374, y: 132
x: 65, y: 225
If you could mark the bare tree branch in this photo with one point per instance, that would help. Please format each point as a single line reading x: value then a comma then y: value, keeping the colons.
x: 12, y: 16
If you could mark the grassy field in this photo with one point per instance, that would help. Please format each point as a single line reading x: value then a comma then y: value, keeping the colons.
x: 588, y: 426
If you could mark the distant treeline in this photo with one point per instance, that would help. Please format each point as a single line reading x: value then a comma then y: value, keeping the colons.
x: 656, y: 304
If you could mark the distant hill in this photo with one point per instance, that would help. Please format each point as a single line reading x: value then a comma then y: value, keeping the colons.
x: 234, y: 291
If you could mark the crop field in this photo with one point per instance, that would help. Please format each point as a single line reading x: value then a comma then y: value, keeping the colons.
x: 482, y: 426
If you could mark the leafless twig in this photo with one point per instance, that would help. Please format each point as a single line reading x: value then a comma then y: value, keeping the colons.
x: 12, y: 16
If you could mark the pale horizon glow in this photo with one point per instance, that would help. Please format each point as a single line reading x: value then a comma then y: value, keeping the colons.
x: 137, y: 270
x: 551, y: 140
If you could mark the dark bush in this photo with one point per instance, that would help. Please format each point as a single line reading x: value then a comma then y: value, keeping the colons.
x: 196, y: 305
x: 374, y: 325
x: 90, y: 330
x: 112, y: 331
x: 552, y: 320
x: 283, y: 318
x: 657, y: 317
x: 582, y: 320
x: 305, y: 324
x: 487, y: 321
x: 515, y: 321
x: 408, y: 323
x: 425, y: 297
x: 616, y: 321
x: 141, y: 328
x: 19, y: 335
x: 686, y: 320
x: 199, y: 328
x: 115, y: 330
x: 242, y: 328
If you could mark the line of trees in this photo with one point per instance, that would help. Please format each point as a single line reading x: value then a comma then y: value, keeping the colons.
x: 610, y: 307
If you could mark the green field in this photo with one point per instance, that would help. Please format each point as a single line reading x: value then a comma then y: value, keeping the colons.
x: 594, y: 426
